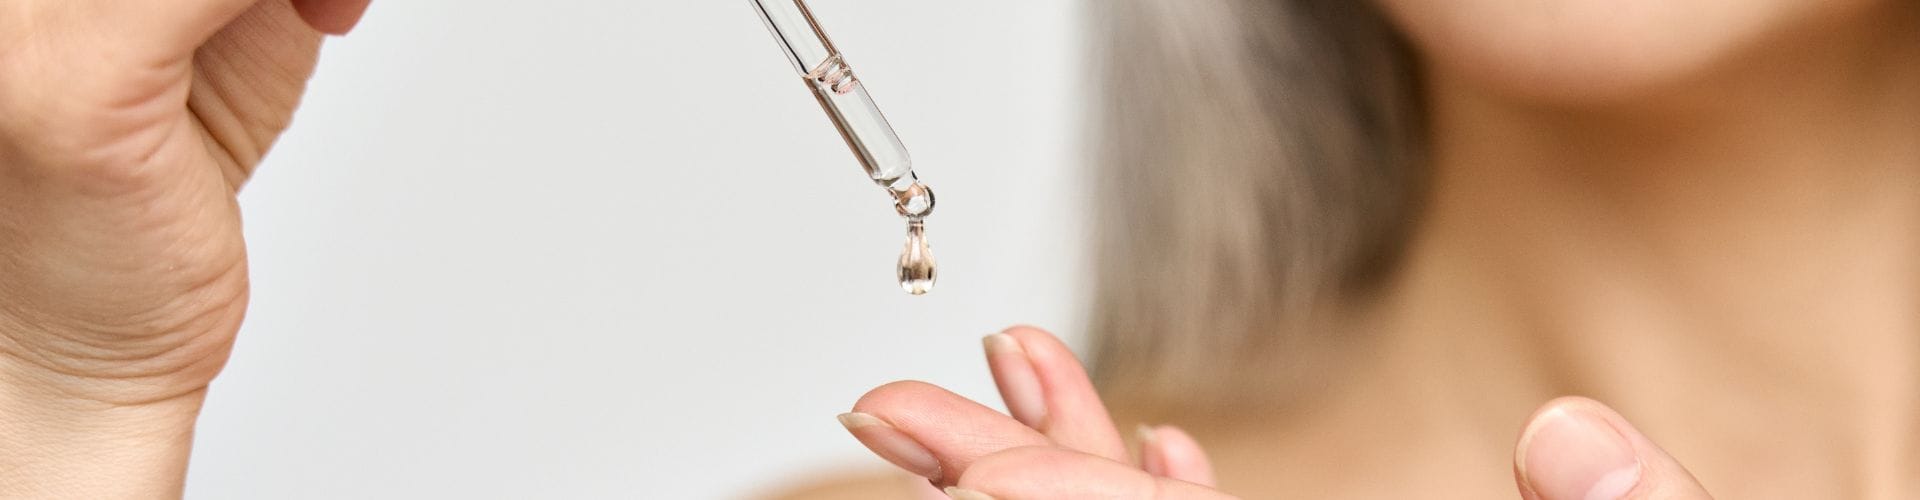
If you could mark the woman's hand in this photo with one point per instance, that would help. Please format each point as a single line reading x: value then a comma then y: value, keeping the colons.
x: 1060, y: 443
x: 126, y: 126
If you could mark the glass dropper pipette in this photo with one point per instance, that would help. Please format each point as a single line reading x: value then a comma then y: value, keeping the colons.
x: 853, y: 112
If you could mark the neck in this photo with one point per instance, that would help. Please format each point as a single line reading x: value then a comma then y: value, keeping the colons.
x: 1734, y: 267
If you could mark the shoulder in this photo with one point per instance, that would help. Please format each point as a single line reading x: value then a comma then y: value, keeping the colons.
x: 856, y: 486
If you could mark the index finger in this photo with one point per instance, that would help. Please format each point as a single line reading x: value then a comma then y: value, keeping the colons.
x: 932, y: 432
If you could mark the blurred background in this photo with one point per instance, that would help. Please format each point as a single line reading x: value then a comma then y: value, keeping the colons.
x: 613, y: 249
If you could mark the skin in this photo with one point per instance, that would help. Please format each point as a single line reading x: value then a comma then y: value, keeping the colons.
x: 125, y: 129
x: 1067, y: 446
x: 1713, y: 228
x: 1706, y: 213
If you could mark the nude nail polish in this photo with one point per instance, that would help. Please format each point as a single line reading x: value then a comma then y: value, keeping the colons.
x: 889, y: 443
x: 1013, y: 374
x: 1151, y: 460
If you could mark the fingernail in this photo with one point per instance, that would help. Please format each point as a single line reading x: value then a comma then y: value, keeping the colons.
x: 1568, y: 454
x: 1013, y: 374
x: 891, y: 444
x: 1150, y: 458
x: 957, y: 493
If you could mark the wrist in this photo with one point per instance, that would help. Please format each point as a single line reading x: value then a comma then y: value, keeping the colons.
x: 55, y: 443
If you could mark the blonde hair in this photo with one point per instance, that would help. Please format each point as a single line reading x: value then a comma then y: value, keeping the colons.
x: 1260, y: 161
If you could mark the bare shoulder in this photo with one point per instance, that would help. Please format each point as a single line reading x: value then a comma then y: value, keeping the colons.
x: 870, y: 485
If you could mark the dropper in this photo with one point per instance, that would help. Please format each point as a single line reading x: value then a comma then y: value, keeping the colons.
x: 853, y: 112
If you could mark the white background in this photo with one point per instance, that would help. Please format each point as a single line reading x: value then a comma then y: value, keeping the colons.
x: 613, y: 249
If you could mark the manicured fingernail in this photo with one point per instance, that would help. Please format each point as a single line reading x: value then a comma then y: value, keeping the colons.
x: 957, y: 493
x: 1569, y: 454
x: 1151, y: 460
x: 891, y: 444
x: 1146, y: 434
x: 1018, y: 383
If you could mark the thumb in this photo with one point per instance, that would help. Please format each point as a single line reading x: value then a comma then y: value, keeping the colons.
x: 1578, y: 449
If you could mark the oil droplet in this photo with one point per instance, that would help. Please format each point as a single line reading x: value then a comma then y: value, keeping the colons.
x: 917, y: 273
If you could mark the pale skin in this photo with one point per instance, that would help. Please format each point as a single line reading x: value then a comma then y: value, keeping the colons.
x: 126, y: 126
x: 1703, y: 214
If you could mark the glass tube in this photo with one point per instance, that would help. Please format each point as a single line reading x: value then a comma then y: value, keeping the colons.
x: 839, y: 91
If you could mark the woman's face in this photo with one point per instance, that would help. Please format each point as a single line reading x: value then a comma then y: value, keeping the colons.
x: 1588, y: 50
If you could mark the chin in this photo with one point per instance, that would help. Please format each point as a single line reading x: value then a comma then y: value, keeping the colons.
x: 1574, y: 52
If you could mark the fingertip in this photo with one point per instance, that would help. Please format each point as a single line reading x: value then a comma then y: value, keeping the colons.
x: 890, y: 394
x: 892, y: 445
x: 1023, y: 327
x: 1151, y: 458
x: 1577, y: 448
x: 1179, y: 455
x: 1001, y: 342
x: 1034, y: 338
x: 333, y: 17
x: 1571, y: 449
x: 1145, y: 434
x: 1076, y: 417
x: 910, y: 400
x: 1014, y: 376
x: 1051, y: 357
x: 954, y: 429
